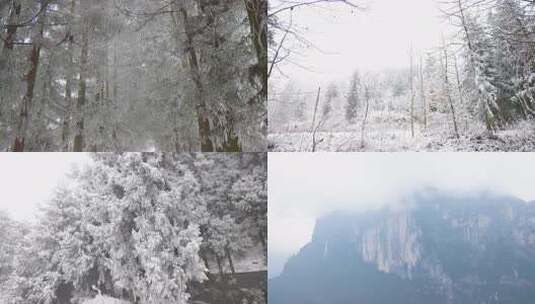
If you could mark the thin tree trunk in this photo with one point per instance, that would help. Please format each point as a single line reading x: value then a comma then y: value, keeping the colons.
x: 176, y: 141
x: 205, y: 260
x: 115, y: 73
x: 229, y: 258
x: 23, y: 120
x: 114, y: 98
x: 66, y: 127
x: 79, y: 142
x: 314, y: 127
x: 411, y: 83
x: 364, y: 120
x: 460, y: 89
x: 447, y: 92
x: 219, y: 265
x: 422, y: 93
x: 316, y: 109
x: 39, y: 135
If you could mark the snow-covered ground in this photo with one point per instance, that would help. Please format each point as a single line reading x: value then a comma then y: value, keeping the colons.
x: 104, y: 300
x: 390, y: 133
x: 253, y: 260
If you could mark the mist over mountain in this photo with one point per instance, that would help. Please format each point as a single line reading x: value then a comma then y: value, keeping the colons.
x: 435, y: 247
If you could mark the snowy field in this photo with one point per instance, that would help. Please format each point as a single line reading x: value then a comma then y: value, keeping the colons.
x: 390, y: 132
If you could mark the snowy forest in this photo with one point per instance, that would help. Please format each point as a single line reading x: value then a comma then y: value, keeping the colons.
x: 133, y: 75
x: 145, y: 228
x: 473, y: 91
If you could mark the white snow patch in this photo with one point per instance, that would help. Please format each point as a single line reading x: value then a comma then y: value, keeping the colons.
x: 104, y: 300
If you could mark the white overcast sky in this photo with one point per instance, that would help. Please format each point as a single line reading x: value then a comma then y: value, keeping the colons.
x: 27, y: 180
x: 304, y: 186
x: 377, y: 38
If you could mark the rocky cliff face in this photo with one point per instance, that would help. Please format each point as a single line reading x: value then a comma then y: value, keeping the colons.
x: 435, y: 248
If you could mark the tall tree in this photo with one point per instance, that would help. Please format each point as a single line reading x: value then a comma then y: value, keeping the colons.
x: 26, y: 105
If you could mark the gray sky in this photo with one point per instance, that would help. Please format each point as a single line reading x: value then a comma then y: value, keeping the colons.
x: 303, y: 186
x: 27, y: 180
x: 375, y: 39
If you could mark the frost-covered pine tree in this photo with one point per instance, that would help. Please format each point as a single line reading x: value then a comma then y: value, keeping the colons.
x: 353, y: 98
x: 479, y: 54
x: 137, y: 226
x: 151, y: 226
x: 12, y: 233
x: 330, y: 96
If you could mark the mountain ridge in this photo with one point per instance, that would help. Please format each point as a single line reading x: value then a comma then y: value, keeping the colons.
x: 435, y: 247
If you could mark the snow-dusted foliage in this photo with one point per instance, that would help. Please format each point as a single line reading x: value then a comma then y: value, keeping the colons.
x: 141, y: 227
x: 12, y: 234
x: 100, y: 75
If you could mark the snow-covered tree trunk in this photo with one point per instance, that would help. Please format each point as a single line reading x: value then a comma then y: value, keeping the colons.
x: 79, y: 134
x: 203, y: 121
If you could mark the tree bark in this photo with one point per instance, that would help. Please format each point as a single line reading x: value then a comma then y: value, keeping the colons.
x: 203, y: 121
x: 23, y: 120
x: 257, y: 15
